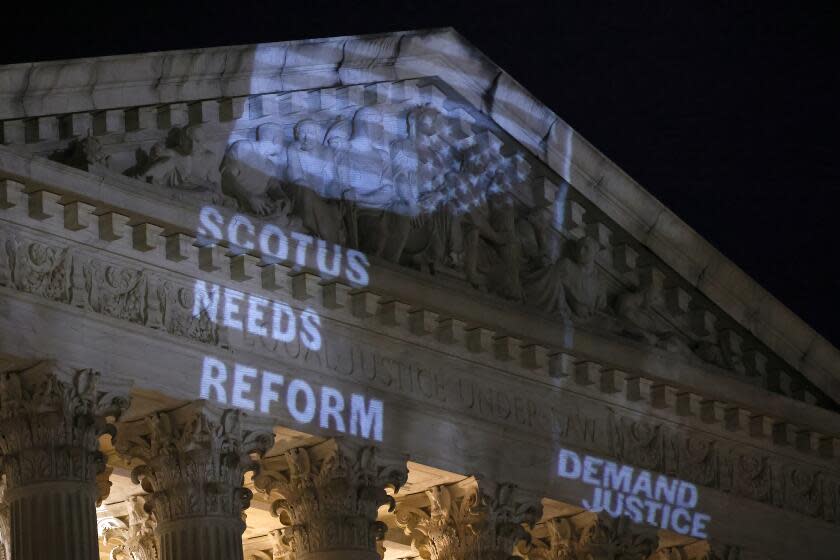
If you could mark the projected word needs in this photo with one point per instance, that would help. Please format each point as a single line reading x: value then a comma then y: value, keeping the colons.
x: 273, y: 243
x: 644, y: 497
x: 256, y: 315
x: 261, y: 390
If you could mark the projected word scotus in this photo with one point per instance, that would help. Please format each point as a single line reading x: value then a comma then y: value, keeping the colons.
x: 273, y: 243
x: 657, y: 500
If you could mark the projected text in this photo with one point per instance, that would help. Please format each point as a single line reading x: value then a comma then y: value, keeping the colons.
x: 275, y: 246
x: 268, y: 392
x: 256, y: 315
x: 644, y: 497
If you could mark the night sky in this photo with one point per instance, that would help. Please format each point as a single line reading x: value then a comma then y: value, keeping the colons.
x: 728, y: 112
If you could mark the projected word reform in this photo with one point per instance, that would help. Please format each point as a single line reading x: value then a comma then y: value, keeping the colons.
x: 252, y: 389
x: 644, y: 497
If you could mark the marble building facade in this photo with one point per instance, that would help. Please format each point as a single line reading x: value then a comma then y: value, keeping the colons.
x: 366, y: 297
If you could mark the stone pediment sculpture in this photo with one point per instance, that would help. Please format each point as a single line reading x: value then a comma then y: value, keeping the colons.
x: 412, y: 172
x: 506, y: 323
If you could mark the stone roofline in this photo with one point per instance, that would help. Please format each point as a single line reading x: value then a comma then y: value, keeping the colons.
x: 93, y: 84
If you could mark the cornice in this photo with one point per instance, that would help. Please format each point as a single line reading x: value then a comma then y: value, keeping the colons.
x: 95, y: 84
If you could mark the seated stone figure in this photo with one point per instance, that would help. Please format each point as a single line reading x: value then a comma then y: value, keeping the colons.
x: 184, y: 161
x: 369, y: 181
x: 636, y: 317
x: 83, y: 153
x: 572, y: 286
x: 310, y: 180
x: 251, y: 171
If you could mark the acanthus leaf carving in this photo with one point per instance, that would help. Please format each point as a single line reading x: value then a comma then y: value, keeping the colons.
x: 470, y: 521
x: 194, y: 460
x: 605, y: 539
x: 51, y: 418
x: 329, y: 496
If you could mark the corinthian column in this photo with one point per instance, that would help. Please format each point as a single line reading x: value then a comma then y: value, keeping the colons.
x: 195, y: 459
x: 470, y: 520
x: 50, y: 422
x: 595, y: 537
x: 329, y: 497
x: 137, y: 540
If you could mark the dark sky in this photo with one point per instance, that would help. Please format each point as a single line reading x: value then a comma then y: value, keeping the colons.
x: 728, y: 112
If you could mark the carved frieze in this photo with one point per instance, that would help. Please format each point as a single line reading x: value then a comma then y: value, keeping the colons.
x: 117, y: 291
x: 685, y: 453
x: 405, y: 173
x: 638, y: 442
x: 39, y: 269
x: 176, y: 314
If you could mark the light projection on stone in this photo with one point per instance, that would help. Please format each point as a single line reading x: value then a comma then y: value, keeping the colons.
x: 276, y: 245
x: 644, y: 497
x: 251, y: 389
x: 256, y: 315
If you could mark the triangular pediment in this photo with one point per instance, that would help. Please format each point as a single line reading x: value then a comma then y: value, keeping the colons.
x: 418, y: 151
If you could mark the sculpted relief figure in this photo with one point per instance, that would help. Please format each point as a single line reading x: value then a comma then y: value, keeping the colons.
x: 83, y: 153
x: 310, y: 178
x: 636, y: 317
x: 253, y: 171
x: 421, y: 185
x: 183, y: 161
x: 572, y: 286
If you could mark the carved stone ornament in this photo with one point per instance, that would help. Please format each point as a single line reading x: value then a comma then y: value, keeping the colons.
x: 51, y: 418
x: 194, y: 460
x: 557, y: 540
x: 136, y: 541
x: 609, y: 539
x: 330, y: 495
x: 281, y: 548
x: 475, y: 521
x: 697, y: 550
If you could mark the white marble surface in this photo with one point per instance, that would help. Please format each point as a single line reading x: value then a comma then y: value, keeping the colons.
x: 35, y: 89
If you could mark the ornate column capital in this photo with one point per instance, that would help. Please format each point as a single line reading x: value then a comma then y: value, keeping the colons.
x: 51, y: 418
x: 607, y: 538
x: 553, y: 539
x: 588, y: 535
x: 194, y: 460
x: 471, y: 520
x: 330, y: 495
x: 135, y: 541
